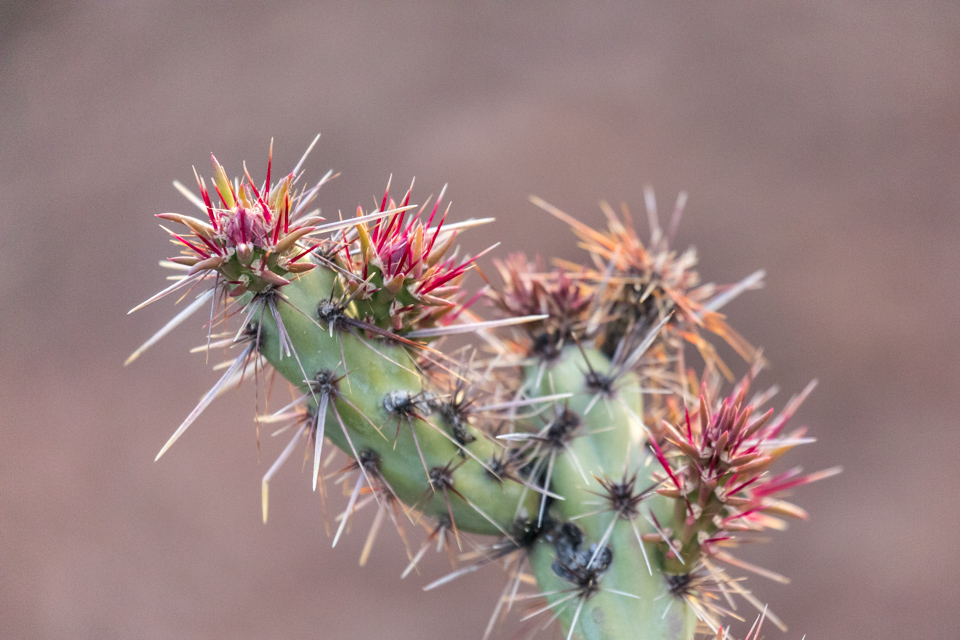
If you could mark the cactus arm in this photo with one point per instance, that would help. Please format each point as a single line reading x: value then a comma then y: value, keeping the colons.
x: 373, y: 370
x: 612, y: 444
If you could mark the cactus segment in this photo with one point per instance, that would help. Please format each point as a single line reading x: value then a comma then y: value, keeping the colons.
x: 381, y: 406
x: 594, y: 564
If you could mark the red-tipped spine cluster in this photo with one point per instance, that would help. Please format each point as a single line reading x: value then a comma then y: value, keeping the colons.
x: 528, y: 290
x: 252, y: 239
x: 716, y: 464
x: 642, y: 284
x: 399, y: 269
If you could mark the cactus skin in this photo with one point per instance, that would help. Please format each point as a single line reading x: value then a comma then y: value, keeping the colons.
x: 622, y: 511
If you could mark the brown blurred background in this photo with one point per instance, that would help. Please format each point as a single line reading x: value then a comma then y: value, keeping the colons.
x: 819, y: 141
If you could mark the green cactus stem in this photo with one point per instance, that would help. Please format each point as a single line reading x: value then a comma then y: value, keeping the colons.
x: 379, y: 405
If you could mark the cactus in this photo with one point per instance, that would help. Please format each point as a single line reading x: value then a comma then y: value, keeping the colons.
x: 576, y: 433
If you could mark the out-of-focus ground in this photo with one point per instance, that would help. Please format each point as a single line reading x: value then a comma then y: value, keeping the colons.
x: 817, y: 141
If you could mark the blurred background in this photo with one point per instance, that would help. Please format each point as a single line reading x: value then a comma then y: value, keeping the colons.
x: 817, y: 140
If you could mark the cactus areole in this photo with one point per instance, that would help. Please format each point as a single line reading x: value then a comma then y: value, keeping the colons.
x: 587, y: 431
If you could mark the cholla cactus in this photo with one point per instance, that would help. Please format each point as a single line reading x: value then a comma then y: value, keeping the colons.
x: 575, y: 433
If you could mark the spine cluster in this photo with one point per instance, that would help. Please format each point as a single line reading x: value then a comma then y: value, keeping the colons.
x: 586, y: 431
